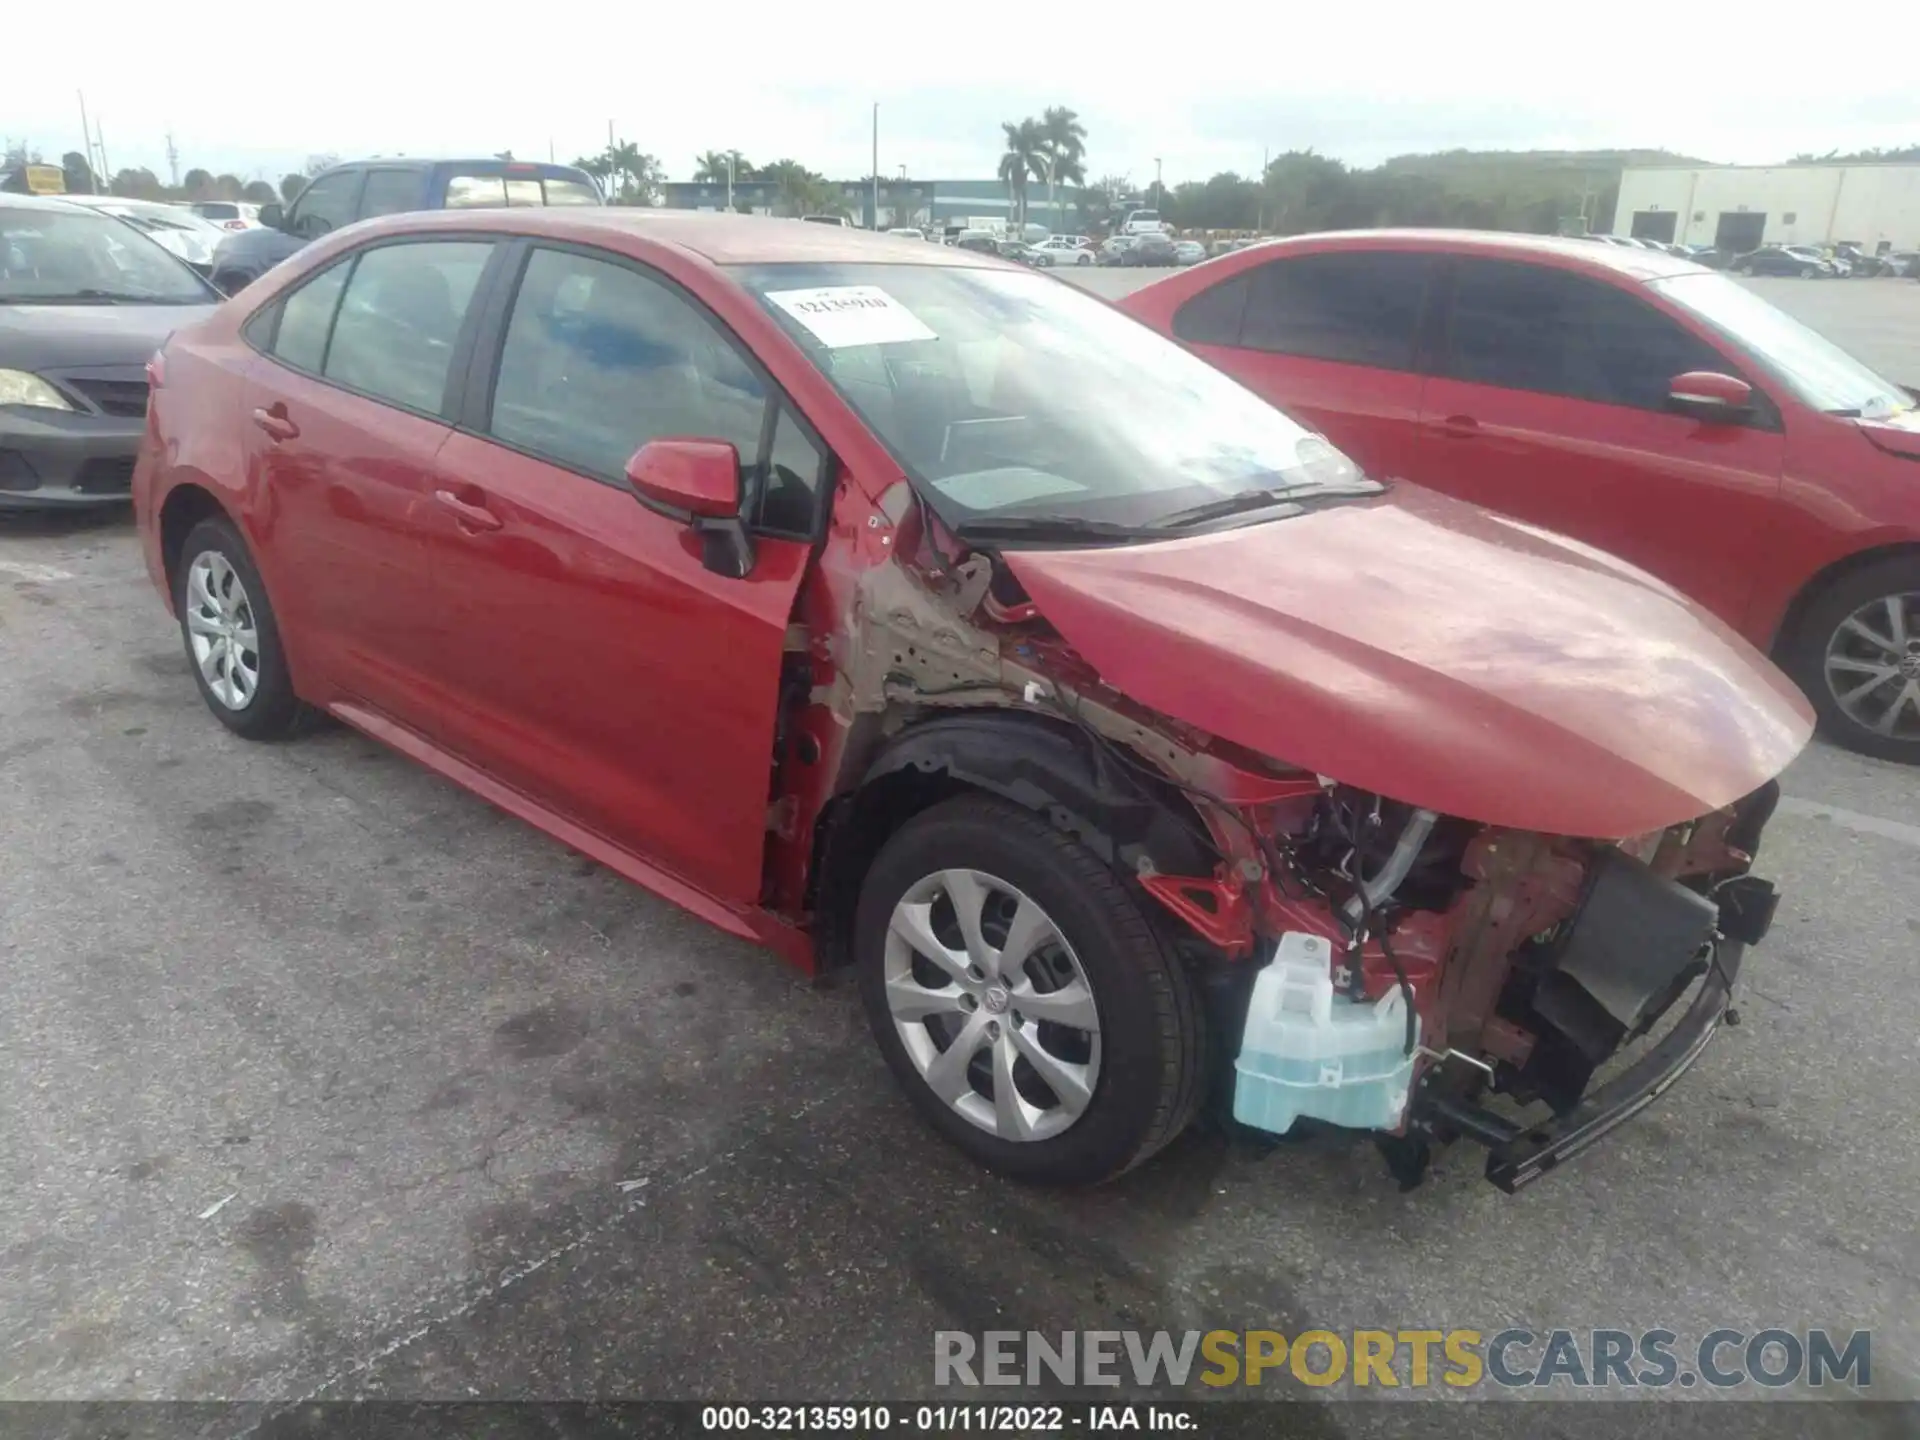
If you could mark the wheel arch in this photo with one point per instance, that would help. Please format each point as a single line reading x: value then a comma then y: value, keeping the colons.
x: 1127, y: 819
x: 1787, y: 632
x: 186, y: 505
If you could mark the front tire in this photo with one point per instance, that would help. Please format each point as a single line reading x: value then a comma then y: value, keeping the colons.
x: 1022, y: 998
x: 231, y: 637
x: 1856, y: 654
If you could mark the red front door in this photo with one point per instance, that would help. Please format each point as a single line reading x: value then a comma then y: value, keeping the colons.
x: 1549, y: 406
x: 594, y: 661
x: 597, y: 665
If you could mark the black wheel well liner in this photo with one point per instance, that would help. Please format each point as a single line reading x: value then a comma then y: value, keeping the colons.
x: 1822, y: 580
x: 1124, y: 816
x: 186, y: 506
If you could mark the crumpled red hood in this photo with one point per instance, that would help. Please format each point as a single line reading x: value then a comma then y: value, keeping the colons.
x: 1439, y: 655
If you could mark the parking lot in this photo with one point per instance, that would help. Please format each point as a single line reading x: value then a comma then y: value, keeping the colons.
x: 323, y: 1078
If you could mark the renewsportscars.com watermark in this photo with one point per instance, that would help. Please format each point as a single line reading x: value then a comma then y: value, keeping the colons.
x: 1459, y: 1359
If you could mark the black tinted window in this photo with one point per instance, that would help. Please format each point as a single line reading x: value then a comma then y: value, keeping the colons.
x: 1213, y: 316
x: 790, y: 487
x: 326, y: 204
x: 392, y: 192
x: 401, y: 317
x: 1361, y: 307
x: 1527, y: 327
x: 599, y: 359
x: 307, y: 315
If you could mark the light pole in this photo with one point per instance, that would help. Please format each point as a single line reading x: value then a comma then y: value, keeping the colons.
x: 1158, y: 188
x: 729, y: 182
x: 874, y: 222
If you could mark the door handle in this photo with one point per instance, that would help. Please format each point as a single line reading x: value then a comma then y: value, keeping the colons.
x: 473, y: 517
x: 1459, y: 427
x: 276, y: 422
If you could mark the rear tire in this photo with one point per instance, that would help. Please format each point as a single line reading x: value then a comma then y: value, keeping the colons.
x: 1857, y: 659
x: 231, y: 638
x: 1146, y: 1050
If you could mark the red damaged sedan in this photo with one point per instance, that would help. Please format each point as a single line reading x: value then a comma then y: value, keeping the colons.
x: 1140, y: 750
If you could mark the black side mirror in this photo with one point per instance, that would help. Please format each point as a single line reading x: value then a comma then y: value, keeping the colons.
x: 273, y: 215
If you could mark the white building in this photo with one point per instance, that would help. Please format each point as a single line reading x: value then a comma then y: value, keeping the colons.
x: 1739, y: 207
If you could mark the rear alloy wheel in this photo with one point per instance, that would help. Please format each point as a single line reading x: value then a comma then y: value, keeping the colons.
x: 1858, y: 659
x: 1021, y: 997
x: 1807, y: 272
x: 231, y: 638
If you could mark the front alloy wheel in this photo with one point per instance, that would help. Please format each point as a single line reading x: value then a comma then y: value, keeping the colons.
x: 231, y: 636
x: 1023, y: 998
x: 992, y: 1007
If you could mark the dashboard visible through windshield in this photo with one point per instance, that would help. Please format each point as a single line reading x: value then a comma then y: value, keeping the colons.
x: 1015, y: 397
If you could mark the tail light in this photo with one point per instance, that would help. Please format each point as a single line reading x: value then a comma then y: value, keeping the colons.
x: 233, y: 224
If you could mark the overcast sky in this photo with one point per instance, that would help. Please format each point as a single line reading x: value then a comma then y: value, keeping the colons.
x: 1202, y: 87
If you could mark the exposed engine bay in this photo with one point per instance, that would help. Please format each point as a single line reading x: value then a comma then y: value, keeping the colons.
x: 1519, y: 966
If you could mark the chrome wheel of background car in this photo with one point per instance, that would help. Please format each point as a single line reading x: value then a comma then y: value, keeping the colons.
x: 1873, y: 666
x: 992, y: 1006
x: 221, y: 630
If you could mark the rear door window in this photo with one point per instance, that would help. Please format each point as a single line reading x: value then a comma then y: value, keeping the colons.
x: 1359, y: 307
x: 400, y: 319
x: 1213, y: 316
x: 1532, y: 327
x: 306, y: 319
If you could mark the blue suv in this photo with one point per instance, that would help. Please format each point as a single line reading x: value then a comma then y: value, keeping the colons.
x: 366, y: 188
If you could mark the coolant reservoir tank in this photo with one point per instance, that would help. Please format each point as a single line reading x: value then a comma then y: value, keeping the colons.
x: 1306, y: 1051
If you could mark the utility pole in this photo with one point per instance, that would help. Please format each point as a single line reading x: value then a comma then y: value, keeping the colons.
x: 729, y: 182
x: 173, y: 162
x: 874, y: 223
x: 100, y: 139
x: 1159, y: 190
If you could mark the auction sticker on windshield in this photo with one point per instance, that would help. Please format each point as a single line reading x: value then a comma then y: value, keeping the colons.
x: 842, y: 315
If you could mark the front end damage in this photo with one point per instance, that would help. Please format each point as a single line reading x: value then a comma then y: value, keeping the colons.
x: 1553, y: 986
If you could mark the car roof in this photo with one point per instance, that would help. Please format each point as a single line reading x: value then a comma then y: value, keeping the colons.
x: 1630, y: 260
x: 719, y: 238
x: 58, y: 203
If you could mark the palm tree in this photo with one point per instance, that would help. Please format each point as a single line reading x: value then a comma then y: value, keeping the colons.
x: 1063, y: 151
x: 1026, y: 144
x: 797, y: 190
x: 710, y: 167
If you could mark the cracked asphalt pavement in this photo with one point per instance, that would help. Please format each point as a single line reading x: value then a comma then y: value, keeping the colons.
x: 322, y: 1078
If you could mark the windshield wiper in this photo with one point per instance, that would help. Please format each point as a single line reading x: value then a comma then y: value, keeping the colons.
x: 1247, y: 501
x: 1043, y: 528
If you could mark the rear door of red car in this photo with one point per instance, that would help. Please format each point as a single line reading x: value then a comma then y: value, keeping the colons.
x: 345, y: 411
x: 1549, y: 404
x: 1331, y: 337
x: 596, y: 663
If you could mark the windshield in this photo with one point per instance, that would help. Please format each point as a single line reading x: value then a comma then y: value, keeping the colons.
x: 1016, y: 396
x: 1819, y: 372
x: 72, y: 255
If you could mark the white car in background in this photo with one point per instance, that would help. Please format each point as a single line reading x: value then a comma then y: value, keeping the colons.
x: 179, y: 232
x: 907, y: 232
x: 227, y: 214
x: 1142, y: 222
x: 1066, y: 250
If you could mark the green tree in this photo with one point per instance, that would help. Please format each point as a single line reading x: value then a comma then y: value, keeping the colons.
x: 140, y: 184
x: 1022, y: 160
x: 1063, y: 151
x: 710, y: 167
x: 198, y: 184
x: 228, y: 187
x: 291, y: 186
x: 258, y: 192
x: 80, y: 176
x: 1304, y: 191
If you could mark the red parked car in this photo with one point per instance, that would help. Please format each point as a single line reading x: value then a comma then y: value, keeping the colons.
x: 1620, y: 396
x: 771, y: 565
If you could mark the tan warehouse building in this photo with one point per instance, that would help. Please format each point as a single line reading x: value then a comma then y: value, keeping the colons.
x: 1739, y: 207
